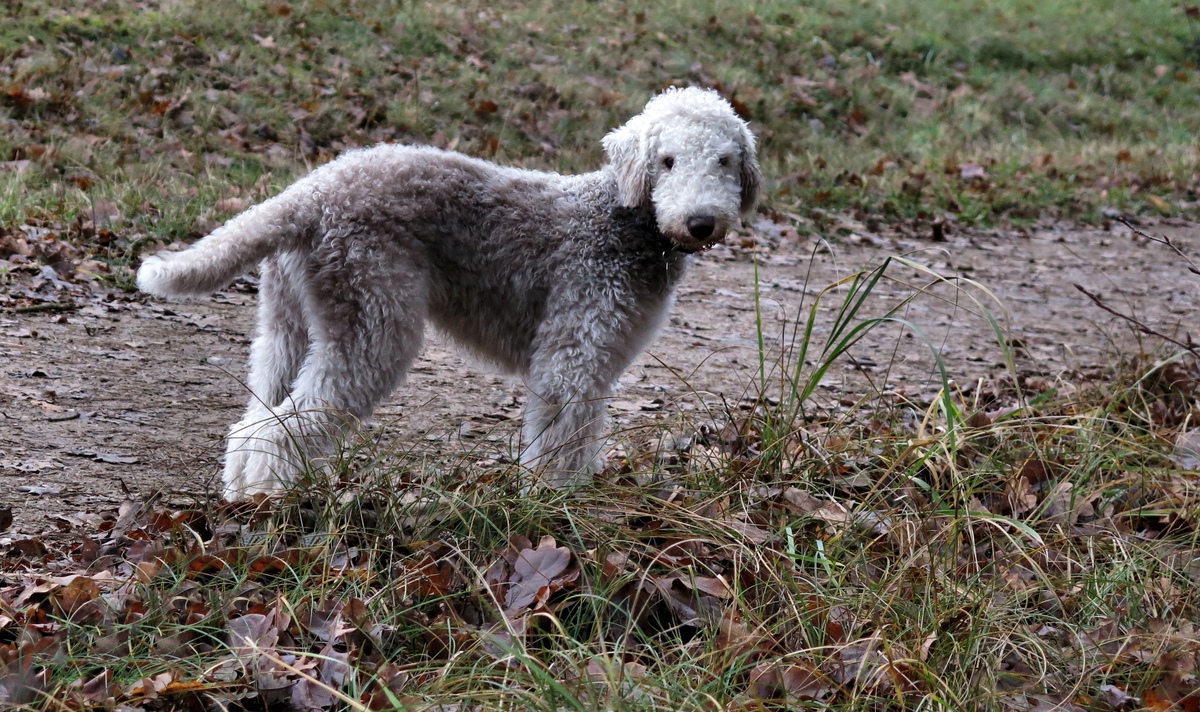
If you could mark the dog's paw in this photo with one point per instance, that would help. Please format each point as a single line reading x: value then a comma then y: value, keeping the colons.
x: 565, y: 467
x: 572, y: 472
x: 260, y: 458
x: 233, y: 476
x: 268, y: 473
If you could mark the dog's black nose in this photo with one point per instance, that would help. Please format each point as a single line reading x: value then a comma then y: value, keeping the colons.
x: 701, y: 226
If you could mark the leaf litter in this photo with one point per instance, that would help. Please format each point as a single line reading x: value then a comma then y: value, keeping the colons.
x: 233, y: 606
x: 778, y: 563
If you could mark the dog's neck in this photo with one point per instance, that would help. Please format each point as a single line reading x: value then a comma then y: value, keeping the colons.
x: 638, y: 223
x: 643, y: 220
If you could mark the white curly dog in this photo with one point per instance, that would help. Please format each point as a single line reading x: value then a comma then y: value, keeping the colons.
x: 561, y: 280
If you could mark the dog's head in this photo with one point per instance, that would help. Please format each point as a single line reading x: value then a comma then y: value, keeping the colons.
x: 690, y: 158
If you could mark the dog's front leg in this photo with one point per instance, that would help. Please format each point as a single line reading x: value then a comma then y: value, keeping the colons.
x: 271, y: 448
x: 563, y: 437
x: 592, y: 335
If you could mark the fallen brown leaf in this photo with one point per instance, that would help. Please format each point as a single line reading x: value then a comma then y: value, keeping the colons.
x: 537, y: 573
x: 774, y: 680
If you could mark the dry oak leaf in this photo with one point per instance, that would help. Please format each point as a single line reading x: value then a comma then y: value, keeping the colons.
x: 537, y: 573
x: 149, y: 687
x: 1186, y: 454
x: 252, y: 635
x: 755, y: 535
x: 429, y: 576
x: 319, y: 693
x: 799, y: 501
x: 1118, y: 699
x: 972, y: 171
x: 738, y: 639
x: 709, y: 585
x: 606, y: 675
x: 794, y: 681
x: 875, y: 667
x: 486, y: 107
x: 230, y: 205
x: 1020, y: 495
x: 95, y: 691
x: 1065, y: 506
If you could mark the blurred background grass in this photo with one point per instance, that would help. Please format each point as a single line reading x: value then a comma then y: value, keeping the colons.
x: 988, y: 112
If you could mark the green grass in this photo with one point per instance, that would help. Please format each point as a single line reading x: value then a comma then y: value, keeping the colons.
x: 866, y: 107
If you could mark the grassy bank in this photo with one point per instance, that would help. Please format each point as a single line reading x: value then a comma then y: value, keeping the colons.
x: 142, y: 116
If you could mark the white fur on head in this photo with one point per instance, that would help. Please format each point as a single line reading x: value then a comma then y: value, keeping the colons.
x: 692, y: 159
x: 626, y: 148
x: 688, y: 155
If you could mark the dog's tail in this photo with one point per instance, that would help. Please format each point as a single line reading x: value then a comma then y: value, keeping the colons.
x: 213, y: 262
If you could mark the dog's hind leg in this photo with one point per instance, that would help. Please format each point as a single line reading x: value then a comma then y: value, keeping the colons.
x: 278, y: 348
x: 275, y: 356
x: 366, y: 315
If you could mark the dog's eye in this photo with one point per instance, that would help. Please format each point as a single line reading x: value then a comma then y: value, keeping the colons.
x: 723, y: 160
x: 668, y: 162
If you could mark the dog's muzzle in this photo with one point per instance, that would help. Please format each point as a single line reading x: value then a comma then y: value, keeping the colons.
x: 701, y: 235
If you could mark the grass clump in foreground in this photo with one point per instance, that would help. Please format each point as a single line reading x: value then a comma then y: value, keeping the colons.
x: 126, y: 123
x: 984, y: 550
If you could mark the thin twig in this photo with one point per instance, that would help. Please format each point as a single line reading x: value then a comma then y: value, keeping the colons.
x: 1162, y: 240
x: 1188, y: 346
x: 47, y: 307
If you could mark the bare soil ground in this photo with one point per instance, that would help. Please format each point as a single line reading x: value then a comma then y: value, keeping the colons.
x: 128, y: 393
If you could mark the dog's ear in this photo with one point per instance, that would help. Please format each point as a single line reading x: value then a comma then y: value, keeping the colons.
x: 751, y: 175
x: 626, y: 151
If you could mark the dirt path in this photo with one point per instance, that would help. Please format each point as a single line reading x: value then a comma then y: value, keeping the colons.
x: 139, y: 395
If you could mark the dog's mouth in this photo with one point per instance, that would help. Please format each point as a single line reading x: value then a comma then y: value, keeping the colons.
x: 690, y: 246
x: 697, y: 233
